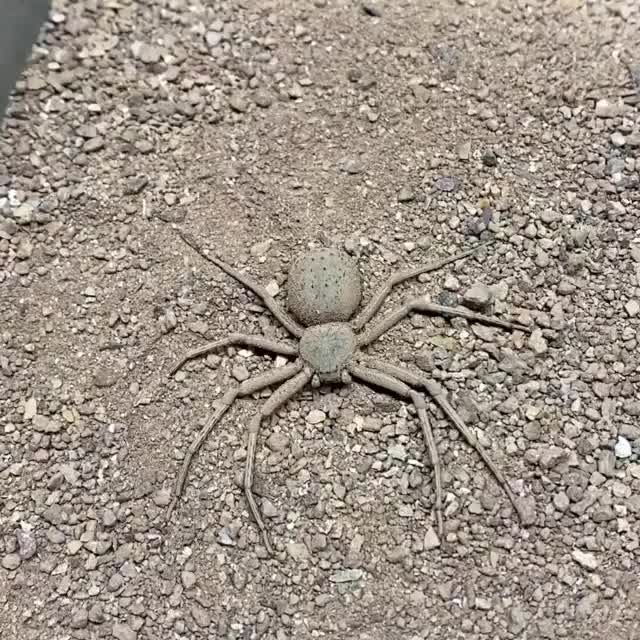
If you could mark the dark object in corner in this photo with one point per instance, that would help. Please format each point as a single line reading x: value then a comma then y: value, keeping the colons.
x: 20, y: 22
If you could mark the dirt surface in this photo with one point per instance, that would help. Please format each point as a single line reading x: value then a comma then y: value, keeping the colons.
x: 402, y: 132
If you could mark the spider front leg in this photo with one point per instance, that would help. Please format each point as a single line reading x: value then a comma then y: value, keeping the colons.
x: 262, y: 381
x: 391, y: 383
x: 424, y: 306
x: 237, y: 339
x: 277, y: 398
x: 376, y: 302
x: 279, y: 313
x: 438, y: 395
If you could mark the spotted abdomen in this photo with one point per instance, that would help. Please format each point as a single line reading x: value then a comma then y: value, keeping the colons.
x: 324, y: 286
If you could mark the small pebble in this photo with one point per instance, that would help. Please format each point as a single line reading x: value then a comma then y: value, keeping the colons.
x: 617, y: 139
x: 240, y: 372
x: 371, y: 8
x: 347, y: 575
x: 26, y: 543
x: 315, y: 416
x: 478, y: 296
x: 298, y: 551
x: 585, y: 559
x: 431, y: 539
x: 605, y: 109
x: 464, y: 151
x: 537, y: 342
x: 188, y: 579
x: 123, y: 632
x: 622, y: 448
x: 225, y: 538
x: 273, y: 288
x: 632, y: 308
x: 406, y: 194
x: 11, y: 561
x: 162, y: 498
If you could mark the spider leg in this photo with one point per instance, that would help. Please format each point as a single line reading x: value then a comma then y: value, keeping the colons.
x: 248, y: 387
x: 440, y: 398
x: 258, y: 342
x: 279, y: 397
x: 279, y: 313
x: 424, y: 306
x: 389, y: 382
x: 400, y: 276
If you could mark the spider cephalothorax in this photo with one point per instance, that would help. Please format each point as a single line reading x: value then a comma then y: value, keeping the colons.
x: 324, y: 291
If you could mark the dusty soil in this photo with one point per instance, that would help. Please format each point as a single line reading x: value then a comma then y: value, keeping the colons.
x: 267, y: 127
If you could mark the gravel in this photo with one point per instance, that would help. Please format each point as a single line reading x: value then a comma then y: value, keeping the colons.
x: 402, y: 134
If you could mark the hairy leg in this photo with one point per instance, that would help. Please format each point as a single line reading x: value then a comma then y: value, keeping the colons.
x: 389, y: 382
x: 279, y: 313
x: 376, y: 302
x: 279, y: 397
x: 271, y: 377
x: 258, y: 342
x: 440, y: 398
x: 423, y: 306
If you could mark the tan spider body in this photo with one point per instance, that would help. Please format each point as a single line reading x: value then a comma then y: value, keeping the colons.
x: 324, y: 290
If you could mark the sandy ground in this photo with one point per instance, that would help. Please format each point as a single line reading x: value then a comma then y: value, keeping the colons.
x: 401, y: 132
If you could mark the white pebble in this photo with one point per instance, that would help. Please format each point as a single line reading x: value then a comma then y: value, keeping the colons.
x: 315, y: 416
x: 623, y: 448
x: 272, y: 288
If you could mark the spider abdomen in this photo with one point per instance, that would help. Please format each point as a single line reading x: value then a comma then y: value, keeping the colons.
x: 324, y: 286
x: 328, y: 349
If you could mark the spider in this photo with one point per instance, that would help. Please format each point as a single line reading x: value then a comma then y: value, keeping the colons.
x: 324, y: 291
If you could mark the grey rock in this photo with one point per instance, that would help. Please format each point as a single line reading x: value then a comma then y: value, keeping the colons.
x: 188, y: 579
x: 585, y: 559
x: 53, y: 514
x: 240, y: 373
x: 431, y: 539
x: 225, y: 538
x: 537, y: 342
x: 238, y: 103
x: 278, y: 441
x: 346, y: 575
x: 552, y: 456
x: 447, y: 184
x: 11, y: 561
x: 397, y: 452
x: 200, y: 615
x: 527, y: 508
x: 315, y: 416
x: 298, y: 551
x: 79, y: 619
x: 96, y: 614
x: 406, y: 194
x: 213, y: 38
x: 26, y: 543
x: 607, y: 462
x: 586, y: 604
x: 606, y: 109
x: 371, y: 8
x: 263, y: 99
x: 464, y: 151
x: 162, y: 497
x: 123, y: 631
x: 93, y: 145
x: 478, y: 296
x: 147, y: 53
x: 517, y: 620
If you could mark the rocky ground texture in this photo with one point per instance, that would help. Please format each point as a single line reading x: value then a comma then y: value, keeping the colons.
x: 400, y: 131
